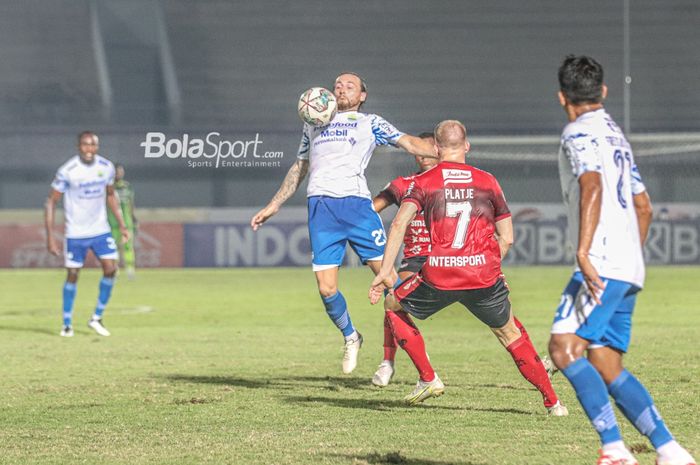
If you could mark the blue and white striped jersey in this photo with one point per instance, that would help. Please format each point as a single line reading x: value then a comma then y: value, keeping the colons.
x: 339, y: 152
x: 594, y: 142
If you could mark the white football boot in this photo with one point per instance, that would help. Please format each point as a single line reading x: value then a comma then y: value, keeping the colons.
x: 558, y: 410
x: 425, y: 390
x: 96, y: 325
x: 384, y: 373
x: 67, y: 331
x: 679, y: 456
x: 617, y: 457
x: 351, y: 352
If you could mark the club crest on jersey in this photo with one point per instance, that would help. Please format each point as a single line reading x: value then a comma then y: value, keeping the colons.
x: 450, y: 176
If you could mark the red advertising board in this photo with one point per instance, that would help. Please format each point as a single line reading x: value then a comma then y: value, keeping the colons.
x: 24, y: 246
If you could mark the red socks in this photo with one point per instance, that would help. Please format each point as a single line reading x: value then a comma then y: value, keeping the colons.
x: 528, y: 362
x: 389, y: 340
x: 410, y: 340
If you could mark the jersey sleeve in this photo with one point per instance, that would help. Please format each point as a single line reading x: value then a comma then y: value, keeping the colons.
x: 111, y: 175
x: 582, y: 151
x: 60, y: 182
x: 636, y: 180
x: 415, y: 195
x: 305, y: 144
x: 384, y: 132
x: 500, y: 205
x: 392, y: 193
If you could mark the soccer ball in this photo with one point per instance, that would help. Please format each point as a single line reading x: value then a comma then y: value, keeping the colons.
x: 317, y: 106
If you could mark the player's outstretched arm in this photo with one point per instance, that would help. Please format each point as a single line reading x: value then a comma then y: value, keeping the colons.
x: 386, y: 276
x: 380, y: 202
x: 295, y: 176
x: 113, y: 204
x: 417, y: 146
x: 49, y: 210
x: 504, y: 231
x: 591, y: 188
x: 644, y: 211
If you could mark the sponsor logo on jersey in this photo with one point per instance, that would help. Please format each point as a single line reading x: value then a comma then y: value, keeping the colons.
x: 458, y: 261
x: 451, y: 176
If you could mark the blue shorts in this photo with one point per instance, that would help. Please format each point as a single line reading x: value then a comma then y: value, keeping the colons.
x: 75, y: 250
x: 605, y: 325
x: 335, y: 222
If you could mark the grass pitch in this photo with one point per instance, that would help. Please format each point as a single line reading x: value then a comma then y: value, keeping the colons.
x: 242, y: 366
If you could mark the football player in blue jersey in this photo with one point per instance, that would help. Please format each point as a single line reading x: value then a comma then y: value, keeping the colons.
x: 86, y: 183
x: 609, y: 215
x: 339, y: 202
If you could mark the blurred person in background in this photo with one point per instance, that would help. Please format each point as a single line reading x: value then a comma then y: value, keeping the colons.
x: 125, y: 193
x: 86, y: 183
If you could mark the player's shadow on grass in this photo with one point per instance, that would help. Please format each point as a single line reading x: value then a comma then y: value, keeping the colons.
x: 366, y: 404
x: 391, y: 404
x: 333, y: 383
x: 225, y: 381
x: 498, y: 386
x: 29, y: 330
x: 395, y: 458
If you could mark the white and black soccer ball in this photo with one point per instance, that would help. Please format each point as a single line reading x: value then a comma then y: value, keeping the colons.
x: 317, y: 106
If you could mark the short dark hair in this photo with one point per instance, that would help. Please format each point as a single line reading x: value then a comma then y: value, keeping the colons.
x: 581, y: 79
x: 85, y: 134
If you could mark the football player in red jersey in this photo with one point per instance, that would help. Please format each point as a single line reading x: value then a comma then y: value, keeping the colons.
x: 470, y: 231
x: 415, y: 252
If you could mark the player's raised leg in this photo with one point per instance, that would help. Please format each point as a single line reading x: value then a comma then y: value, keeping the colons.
x: 337, y: 310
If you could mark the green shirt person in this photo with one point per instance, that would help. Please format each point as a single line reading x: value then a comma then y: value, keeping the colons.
x: 125, y: 194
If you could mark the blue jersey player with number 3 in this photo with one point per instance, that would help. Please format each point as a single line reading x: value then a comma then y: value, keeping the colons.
x: 86, y: 182
x: 609, y: 215
x: 339, y: 201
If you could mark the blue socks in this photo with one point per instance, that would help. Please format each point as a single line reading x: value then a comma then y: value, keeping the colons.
x: 633, y: 400
x: 593, y: 396
x: 69, y: 290
x: 337, y: 310
x: 106, y: 285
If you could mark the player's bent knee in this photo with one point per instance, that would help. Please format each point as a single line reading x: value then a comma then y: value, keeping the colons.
x: 327, y: 290
x: 109, y: 271
x: 72, y: 275
x: 564, y: 349
x: 507, y: 334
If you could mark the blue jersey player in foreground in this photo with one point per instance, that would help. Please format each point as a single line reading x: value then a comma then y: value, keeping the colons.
x: 609, y: 215
x: 86, y: 182
x: 339, y: 201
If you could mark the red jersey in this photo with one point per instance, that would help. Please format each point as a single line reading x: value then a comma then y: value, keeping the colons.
x: 461, y: 205
x: 417, y: 239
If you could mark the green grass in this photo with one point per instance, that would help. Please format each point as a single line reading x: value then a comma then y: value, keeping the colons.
x: 243, y: 367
